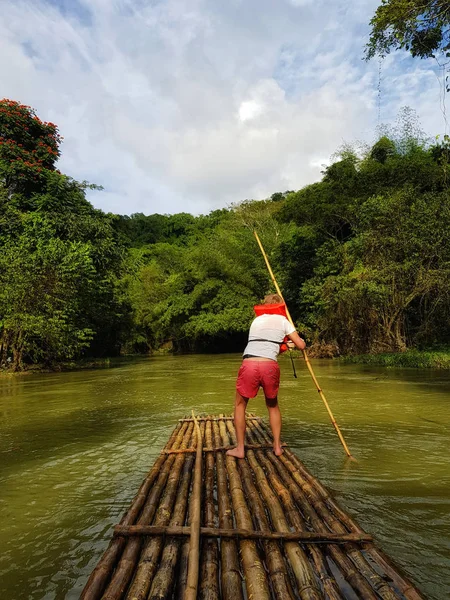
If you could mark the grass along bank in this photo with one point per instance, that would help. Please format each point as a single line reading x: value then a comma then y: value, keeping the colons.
x: 421, y: 359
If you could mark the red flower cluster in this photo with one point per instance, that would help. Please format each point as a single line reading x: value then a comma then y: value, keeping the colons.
x: 28, y: 145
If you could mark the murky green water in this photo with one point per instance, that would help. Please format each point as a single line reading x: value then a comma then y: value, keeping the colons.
x: 74, y: 448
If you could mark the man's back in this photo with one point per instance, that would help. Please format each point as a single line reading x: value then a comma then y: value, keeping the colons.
x: 266, y: 334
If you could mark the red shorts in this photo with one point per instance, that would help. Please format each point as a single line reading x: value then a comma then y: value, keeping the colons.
x: 256, y: 373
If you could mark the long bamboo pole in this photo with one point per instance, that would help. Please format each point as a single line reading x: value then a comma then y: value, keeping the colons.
x: 194, y: 549
x: 308, y: 364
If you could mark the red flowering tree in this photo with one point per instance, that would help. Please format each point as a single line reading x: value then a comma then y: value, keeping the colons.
x: 29, y: 147
x: 59, y: 257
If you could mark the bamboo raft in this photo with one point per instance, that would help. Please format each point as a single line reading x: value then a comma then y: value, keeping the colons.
x: 209, y: 526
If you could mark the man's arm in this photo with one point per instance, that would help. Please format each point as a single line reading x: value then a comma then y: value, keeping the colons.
x: 297, y: 340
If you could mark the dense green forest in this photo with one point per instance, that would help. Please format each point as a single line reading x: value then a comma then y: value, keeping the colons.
x: 363, y: 257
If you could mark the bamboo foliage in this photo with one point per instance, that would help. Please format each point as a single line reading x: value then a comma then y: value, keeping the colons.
x: 266, y: 524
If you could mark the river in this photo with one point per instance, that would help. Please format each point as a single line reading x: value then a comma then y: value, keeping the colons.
x: 74, y: 448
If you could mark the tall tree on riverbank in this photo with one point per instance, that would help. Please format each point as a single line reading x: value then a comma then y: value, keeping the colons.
x: 58, y: 255
x: 373, y: 244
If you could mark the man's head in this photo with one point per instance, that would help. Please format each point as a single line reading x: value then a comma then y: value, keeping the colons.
x: 273, y: 299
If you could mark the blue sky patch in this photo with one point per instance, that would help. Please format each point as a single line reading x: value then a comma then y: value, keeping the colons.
x: 73, y: 8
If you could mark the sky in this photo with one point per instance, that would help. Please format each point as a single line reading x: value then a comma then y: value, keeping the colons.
x: 191, y: 105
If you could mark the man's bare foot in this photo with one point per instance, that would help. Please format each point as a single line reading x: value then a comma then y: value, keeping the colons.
x: 278, y: 450
x: 236, y: 453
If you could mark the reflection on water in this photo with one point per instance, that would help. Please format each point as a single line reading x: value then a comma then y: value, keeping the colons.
x: 74, y: 448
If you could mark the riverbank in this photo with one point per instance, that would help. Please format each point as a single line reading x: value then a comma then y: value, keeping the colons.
x: 419, y: 359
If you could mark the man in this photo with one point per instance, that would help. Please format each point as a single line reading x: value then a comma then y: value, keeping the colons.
x: 260, y: 368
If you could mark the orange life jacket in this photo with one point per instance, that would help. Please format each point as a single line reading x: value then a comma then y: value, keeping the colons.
x: 272, y: 309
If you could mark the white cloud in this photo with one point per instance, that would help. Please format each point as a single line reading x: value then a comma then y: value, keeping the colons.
x: 249, y: 110
x: 189, y: 105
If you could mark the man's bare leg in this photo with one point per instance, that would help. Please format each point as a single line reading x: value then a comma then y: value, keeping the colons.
x: 240, y: 405
x: 275, y: 424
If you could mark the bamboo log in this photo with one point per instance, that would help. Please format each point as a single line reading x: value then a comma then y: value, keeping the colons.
x: 306, y: 582
x: 400, y: 581
x: 355, y: 579
x: 359, y: 580
x: 231, y: 585
x: 209, y: 587
x: 218, y: 449
x: 308, y: 364
x: 184, y: 557
x: 194, y: 549
x: 255, y: 577
x: 260, y: 534
x: 296, y: 520
x: 265, y: 436
x: 164, y: 578
x: 319, y: 561
x: 212, y: 419
x: 102, y: 572
x: 274, y: 559
x: 125, y: 567
x: 377, y: 582
x: 148, y: 561
x: 183, y: 564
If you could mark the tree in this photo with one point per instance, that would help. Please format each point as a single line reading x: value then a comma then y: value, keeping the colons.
x: 198, y: 295
x: 41, y: 305
x: 421, y: 27
x: 29, y: 148
x: 60, y: 259
x: 383, y: 149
